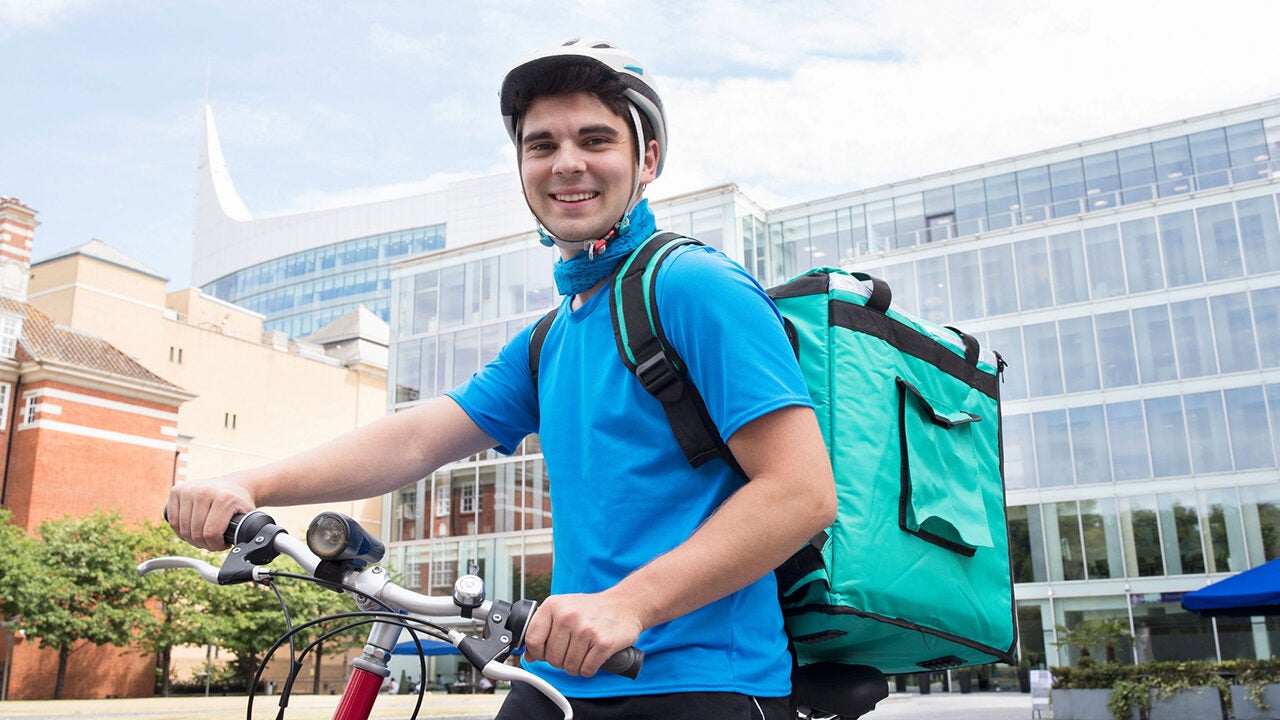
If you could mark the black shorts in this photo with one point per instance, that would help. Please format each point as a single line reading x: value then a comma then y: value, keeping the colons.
x: 526, y: 703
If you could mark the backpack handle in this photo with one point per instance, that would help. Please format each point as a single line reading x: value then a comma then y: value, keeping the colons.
x: 881, y: 295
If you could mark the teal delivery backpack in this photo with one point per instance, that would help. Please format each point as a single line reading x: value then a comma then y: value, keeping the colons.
x: 914, y: 575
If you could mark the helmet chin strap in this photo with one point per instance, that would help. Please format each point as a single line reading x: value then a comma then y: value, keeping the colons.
x: 599, y: 245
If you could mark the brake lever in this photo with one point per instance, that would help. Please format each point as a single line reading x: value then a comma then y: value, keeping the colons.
x: 495, y: 670
x: 207, y: 571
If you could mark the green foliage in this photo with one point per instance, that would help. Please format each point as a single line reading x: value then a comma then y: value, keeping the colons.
x: 76, y: 583
x: 1133, y: 685
x: 247, y: 620
x: 1096, y: 632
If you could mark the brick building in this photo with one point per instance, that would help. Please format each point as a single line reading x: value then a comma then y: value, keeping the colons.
x: 83, y: 427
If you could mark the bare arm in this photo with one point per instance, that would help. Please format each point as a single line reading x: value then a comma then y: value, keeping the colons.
x: 371, y: 460
x: 789, y: 499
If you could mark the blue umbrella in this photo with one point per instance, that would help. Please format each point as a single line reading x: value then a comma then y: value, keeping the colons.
x: 1252, y: 592
x: 431, y: 647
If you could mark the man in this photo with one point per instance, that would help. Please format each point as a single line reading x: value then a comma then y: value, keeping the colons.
x: 649, y: 551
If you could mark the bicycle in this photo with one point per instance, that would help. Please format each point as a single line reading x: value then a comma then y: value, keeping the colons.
x: 342, y: 555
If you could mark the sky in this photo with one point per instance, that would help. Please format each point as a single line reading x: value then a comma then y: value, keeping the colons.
x: 320, y: 104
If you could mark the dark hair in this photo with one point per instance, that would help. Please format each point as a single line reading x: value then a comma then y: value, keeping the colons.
x: 574, y: 77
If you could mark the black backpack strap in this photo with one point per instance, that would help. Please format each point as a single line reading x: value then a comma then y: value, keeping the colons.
x: 645, y: 351
x: 535, y: 345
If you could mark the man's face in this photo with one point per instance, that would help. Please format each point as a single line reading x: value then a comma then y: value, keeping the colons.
x: 578, y: 165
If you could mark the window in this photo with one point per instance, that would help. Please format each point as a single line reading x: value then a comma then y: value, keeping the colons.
x: 1089, y: 444
x: 1250, y: 433
x: 443, y: 500
x: 1070, y: 282
x: 470, y: 499
x: 1166, y: 425
x: 1193, y: 338
x: 29, y: 414
x: 1184, y: 555
x: 966, y: 285
x: 1033, y: 194
x: 1035, y: 287
x: 1139, y: 519
x: 1181, y: 249
x: 1019, y: 453
x: 1259, y: 234
x: 1115, y: 350
x: 10, y: 333
x: 1142, y: 261
x: 1106, y: 262
x: 997, y: 277
x: 1079, y: 355
x: 1154, y: 337
x: 1101, y: 532
x: 1044, y: 376
x: 1126, y: 429
x: 1207, y: 427
x: 1053, y: 448
x: 5, y: 390
x: 1220, y: 242
x: 1266, y: 313
x: 1067, y: 181
x: 1233, y: 329
x: 1137, y: 173
x: 443, y: 573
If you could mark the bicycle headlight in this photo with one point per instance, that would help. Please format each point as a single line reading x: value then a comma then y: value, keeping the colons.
x: 334, y: 536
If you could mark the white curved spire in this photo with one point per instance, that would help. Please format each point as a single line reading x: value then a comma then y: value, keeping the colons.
x: 215, y: 192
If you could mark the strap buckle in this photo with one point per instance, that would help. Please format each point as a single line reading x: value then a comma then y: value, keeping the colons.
x: 660, y: 379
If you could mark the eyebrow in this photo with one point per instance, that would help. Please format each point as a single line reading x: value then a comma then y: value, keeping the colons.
x: 585, y: 130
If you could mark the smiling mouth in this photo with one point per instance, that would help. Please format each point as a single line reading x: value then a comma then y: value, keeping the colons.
x: 575, y: 197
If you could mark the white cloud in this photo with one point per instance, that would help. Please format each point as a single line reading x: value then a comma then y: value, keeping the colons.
x: 19, y: 14
x: 970, y: 83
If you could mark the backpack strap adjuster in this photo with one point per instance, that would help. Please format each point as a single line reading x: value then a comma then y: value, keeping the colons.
x: 660, y: 379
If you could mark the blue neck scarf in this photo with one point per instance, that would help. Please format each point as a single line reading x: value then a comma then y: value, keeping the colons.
x: 579, y: 273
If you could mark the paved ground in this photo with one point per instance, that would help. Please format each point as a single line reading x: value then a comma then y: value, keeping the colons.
x: 938, y: 706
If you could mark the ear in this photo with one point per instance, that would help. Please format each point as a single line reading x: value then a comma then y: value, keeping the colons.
x: 650, y: 170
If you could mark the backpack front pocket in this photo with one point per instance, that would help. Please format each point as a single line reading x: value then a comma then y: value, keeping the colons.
x: 941, y: 500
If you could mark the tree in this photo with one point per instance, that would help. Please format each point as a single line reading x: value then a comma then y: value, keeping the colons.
x: 248, y: 620
x: 181, y: 598
x: 77, y: 583
x: 1104, y: 632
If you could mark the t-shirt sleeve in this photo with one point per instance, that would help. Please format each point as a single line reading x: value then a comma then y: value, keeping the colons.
x: 500, y: 398
x: 730, y: 336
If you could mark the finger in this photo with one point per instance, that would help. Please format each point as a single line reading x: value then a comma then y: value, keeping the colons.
x: 535, y: 636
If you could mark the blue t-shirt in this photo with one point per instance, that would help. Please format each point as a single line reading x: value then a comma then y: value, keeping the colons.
x: 622, y: 491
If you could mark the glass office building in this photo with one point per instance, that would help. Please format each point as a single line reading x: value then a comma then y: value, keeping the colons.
x: 1131, y: 282
x: 304, y: 291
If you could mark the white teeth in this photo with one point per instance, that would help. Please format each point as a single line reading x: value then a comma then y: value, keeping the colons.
x: 576, y: 197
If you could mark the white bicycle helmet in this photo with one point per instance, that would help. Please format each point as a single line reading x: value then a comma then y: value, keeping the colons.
x: 640, y: 87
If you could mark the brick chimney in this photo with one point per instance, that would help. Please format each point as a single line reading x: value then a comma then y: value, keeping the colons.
x: 17, y: 226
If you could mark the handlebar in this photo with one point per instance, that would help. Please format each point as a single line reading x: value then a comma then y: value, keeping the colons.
x: 257, y: 540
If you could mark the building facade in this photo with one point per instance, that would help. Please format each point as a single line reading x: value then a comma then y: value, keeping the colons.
x: 258, y: 395
x: 83, y: 428
x: 304, y: 270
x: 1132, y: 283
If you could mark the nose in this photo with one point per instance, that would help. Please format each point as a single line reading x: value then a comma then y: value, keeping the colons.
x: 568, y: 161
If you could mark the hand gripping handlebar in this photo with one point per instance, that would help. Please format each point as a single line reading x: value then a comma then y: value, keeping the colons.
x: 256, y: 540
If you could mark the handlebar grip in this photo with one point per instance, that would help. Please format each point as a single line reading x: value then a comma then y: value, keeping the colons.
x: 233, y: 525
x: 260, y: 521
x: 625, y: 662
